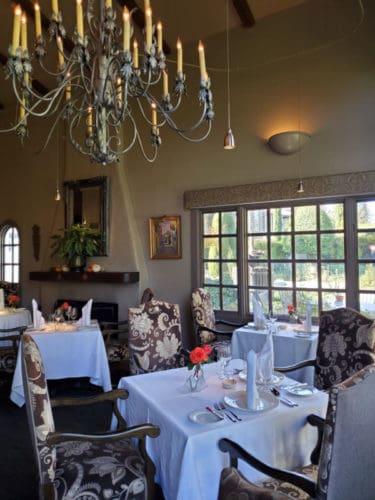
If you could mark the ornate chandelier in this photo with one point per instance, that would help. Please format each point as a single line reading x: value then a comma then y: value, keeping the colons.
x: 102, y: 79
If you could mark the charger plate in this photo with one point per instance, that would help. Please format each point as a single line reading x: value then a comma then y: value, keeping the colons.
x: 238, y: 401
x: 301, y: 391
x: 277, y: 378
x: 203, y: 417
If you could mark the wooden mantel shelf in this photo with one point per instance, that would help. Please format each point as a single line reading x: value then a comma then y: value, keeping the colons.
x: 86, y: 277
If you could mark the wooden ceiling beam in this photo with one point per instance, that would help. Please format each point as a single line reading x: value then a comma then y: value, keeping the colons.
x: 244, y: 13
x: 139, y: 18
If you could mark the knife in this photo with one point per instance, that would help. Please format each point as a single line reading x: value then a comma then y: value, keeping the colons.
x: 284, y: 400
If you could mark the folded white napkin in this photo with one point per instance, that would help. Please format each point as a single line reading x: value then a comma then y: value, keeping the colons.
x: 265, y: 360
x: 251, y: 388
x: 1, y: 299
x: 38, y: 320
x: 259, y: 318
x: 85, y: 319
x: 308, y: 317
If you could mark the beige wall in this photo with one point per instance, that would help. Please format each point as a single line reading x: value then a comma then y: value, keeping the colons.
x: 328, y: 91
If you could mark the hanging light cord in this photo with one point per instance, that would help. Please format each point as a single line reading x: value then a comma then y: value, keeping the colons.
x: 228, y: 60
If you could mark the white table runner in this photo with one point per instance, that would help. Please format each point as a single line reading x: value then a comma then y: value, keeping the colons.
x: 68, y: 354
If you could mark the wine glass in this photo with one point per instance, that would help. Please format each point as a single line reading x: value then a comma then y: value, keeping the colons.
x: 74, y: 313
x: 272, y: 318
x: 69, y: 313
x: 224, y: 355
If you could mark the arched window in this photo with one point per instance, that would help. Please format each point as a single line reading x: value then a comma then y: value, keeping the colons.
x: 10, y: 253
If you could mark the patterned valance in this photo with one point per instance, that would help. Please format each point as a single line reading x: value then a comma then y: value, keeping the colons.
x: 315, y: 187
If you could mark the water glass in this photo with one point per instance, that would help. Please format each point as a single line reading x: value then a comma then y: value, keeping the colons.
x: 224, y: 355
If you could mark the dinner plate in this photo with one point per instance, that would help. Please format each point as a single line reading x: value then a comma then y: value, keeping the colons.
x: 308, y: 390
x: 204, y: 417
x: 303, y: 335
x: 238, y: 401
x: 277, y: 378
x: 302, y: 329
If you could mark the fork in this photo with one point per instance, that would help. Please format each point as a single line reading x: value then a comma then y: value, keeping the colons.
x: 230, y: 411
x: 221, y: 408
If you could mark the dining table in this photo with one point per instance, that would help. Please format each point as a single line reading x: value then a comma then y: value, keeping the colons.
x: 68, y: 350
x: 11, y: 318
x: 291, y: 344
x: 186, y: 455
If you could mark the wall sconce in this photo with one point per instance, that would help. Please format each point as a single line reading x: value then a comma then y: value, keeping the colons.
x: 288, y: 143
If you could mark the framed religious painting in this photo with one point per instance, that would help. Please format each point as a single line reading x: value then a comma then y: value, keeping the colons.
x: 165, y: 237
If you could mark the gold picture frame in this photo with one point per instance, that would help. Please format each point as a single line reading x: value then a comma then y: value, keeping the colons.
x: 165, y: 237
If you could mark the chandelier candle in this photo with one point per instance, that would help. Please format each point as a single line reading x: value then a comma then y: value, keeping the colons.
x: 104, y: 81
x: 126, y: 39
x: 16, y: 29
x: 38, y: 21
x: 79, y: 15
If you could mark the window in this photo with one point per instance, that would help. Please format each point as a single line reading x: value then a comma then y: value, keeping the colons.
x: 322, y: 252
x: 220, y: 268
x: 10, y: 254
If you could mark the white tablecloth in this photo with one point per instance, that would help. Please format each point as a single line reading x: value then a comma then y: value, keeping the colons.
x: 187, y: 459
x: 288, y: 348
x: 68, y: 354
x: 12, y: 319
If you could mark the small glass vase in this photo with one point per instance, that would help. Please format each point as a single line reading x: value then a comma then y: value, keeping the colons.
x: 293, y: 318
x: 196, y: 381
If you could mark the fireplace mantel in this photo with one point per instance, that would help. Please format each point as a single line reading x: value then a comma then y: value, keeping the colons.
x: 86, y: 277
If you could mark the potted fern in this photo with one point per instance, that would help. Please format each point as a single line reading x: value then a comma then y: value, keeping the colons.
x: 75, y: 244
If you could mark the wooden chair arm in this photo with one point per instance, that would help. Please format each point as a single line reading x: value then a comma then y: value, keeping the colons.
x: 297, y: 366
x: 229, y: 323
x: 112, y: 396
x: 138, y: 431
x: 318, y: 422
x: 214, y: 330
x: 237, y: 452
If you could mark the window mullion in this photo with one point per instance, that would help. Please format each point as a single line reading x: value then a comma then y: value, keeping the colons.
x: 351, y: 253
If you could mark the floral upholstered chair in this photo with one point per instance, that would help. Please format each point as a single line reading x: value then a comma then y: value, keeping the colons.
x: 155, y: 337
x: 103, y: 465
x: 347, y: 459
x: 205, y: 324
x: 346, y: 344
x: 116, y: 341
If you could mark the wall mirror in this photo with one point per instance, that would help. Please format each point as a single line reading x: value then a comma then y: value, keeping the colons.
x: 87, y: 201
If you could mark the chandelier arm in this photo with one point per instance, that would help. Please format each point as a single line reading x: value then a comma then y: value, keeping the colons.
x: 174, y: 127
x: 198, y: 139
x: 50, y: 133
x: 30, y: 110
x: 150, y: 159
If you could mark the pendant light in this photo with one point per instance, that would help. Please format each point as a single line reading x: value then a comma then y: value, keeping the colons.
x: 229, y: 142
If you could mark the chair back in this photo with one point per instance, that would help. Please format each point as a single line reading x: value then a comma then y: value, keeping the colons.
x: 154, y: 337
x: 347, y: 456
x: 345, y: 345
x: 203, y: 315
x: 38, y: 408
x: 9, y: 342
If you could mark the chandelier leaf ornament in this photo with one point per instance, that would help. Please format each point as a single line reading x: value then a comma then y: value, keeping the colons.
x: 104, y: 85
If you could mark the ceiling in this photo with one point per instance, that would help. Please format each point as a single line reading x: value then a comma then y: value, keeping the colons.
x: 190, y: 20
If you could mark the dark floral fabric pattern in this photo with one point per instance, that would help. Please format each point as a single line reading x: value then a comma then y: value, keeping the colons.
x: 155, y: 337
x: 95, y: 470
x: 77, y: 469
x: 233, y: 486
x: 203, y: 314
x: 346, y: 345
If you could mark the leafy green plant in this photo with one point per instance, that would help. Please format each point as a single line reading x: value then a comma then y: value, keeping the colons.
x: 78, y: 240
